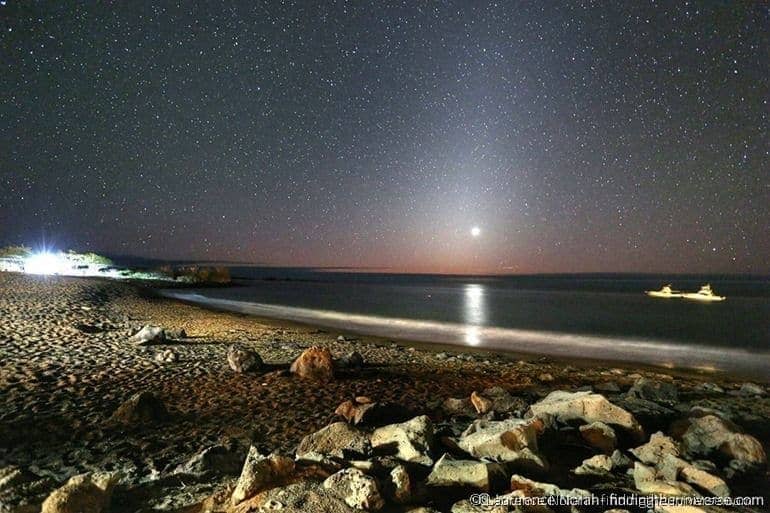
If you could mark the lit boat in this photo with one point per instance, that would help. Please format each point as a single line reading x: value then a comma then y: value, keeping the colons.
x: 704, y: 294
x: 665, y: 291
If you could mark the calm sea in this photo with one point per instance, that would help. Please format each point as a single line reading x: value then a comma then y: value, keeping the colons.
x: 589, y: 316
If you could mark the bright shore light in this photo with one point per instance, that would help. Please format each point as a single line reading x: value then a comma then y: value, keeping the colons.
x: 45, y: 263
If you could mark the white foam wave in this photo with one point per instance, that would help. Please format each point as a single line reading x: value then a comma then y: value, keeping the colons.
x: 663, y: 353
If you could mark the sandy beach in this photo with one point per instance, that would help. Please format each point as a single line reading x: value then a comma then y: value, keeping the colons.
x: 66, y: 365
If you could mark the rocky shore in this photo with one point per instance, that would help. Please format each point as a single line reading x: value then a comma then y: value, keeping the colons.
x: 112, y: 399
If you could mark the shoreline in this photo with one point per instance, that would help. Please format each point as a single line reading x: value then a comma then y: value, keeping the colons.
x: 441, y: 346
x: 68, y: 366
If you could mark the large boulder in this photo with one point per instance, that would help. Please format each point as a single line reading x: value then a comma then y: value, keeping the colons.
x: 466, y: 474
x: 711, y: 434
x: 243, y: 360
x: 586, y: 407
x: 357, y: 489
x: 82, y: 493
x: 410, y: 441
x: 512, y: 440
x: 338, y: 440
x: 314, y: 363
x: 140, y: 409
x: 259, y: 473
x: 600, y: 436
x: 149, y: 335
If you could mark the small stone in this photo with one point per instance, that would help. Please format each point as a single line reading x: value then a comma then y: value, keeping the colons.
x: 243, y: 360
x: 260, y: 473
x: 481, y: 404
x: 356, y: 412
x: 338, y: 440
x: 600, y: 465
x: 586, y: 406
x: 400, y: 485
x: 655, y: 391
x: 409, y: 441
x: 653, y: 452
x: 140, y: 409
x: 511, y: 440
x: 751, y: 389
x: 600, y: 436
x: 315, y: 363
x: 167, y: 356
x: 83, y: 493
x: 351, y: 361
x: 465, y: 474
x: 149, y: 335
x: 357, y: 489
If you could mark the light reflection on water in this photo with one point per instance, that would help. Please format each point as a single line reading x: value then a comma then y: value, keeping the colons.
x: 474, y: 313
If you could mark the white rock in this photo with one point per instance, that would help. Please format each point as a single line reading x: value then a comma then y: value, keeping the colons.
x: 260, y: 473
x: 505, y: 440
x: 149, y: 335
x: 357, y: 489
x: 478, y: 475
x: 585, y: 406
x: 409, y: 441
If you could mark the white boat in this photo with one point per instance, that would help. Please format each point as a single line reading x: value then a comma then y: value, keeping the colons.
x: 665, y: 291
x: 704, y: 294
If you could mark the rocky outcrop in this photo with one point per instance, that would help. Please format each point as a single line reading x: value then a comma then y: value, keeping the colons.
x: 410, y: 441
x: 259, y: 473
x: 82, y: 493
x: 243, y: 360
x: 315, y: 363
x: 338, y: 440
x: 357, y: 489
x: 512, y: 440
x: 466, y: 474
x: 140, y: 409
x: 586, y: 407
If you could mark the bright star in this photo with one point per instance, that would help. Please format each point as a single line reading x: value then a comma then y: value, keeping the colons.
x: 475, y: 231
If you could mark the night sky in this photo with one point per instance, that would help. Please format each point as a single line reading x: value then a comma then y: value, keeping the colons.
x: 577, y: 136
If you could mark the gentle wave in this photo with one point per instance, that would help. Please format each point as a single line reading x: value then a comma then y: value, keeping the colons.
x: 662, y: 353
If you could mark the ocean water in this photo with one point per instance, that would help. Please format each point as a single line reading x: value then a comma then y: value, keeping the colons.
x: 604, y: 317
